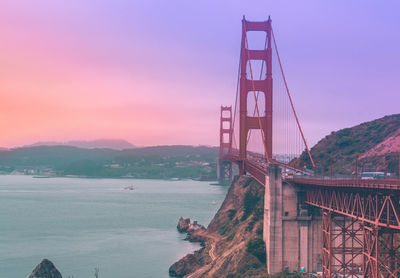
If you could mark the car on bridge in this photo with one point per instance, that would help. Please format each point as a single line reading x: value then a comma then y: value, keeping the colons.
x: 373, y: 176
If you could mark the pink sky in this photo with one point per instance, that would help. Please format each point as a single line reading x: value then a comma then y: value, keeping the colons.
x: 62, y: 82
x: 156, y: 72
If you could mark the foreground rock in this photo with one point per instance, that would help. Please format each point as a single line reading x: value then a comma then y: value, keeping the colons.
x: 45, y: 269
x: 232, y: 242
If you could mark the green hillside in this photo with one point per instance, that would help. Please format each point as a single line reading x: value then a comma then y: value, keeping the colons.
x: 376, y: 144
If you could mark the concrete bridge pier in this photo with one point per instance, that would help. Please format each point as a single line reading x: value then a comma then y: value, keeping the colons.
x: 292, y: 234
x: 273, y: 219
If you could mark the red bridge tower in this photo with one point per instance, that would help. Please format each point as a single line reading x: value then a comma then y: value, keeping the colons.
x: 247, y: 121
x: 225, y: 144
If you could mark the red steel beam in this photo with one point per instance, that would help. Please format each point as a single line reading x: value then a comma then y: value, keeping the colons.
x: 342, y: 246
x: 370, y: 206
x: 381, y: 252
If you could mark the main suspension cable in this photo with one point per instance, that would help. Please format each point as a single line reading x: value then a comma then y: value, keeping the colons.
x: 236, y: 99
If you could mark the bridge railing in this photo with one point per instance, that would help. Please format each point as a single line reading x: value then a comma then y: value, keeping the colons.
x: 355, y: 182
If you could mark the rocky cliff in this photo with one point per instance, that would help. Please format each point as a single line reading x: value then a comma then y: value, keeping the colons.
x: 233, y: 245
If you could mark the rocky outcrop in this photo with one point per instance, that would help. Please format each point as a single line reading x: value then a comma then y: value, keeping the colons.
x: 188, y: 264
x: 232, y: 242
x: 183, y: 224
x: 45, y: 269
x: 186, y: 226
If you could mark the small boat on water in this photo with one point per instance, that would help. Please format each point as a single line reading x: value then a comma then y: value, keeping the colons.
x: 130, y: 187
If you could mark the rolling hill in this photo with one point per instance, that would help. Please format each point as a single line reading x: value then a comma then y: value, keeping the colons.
x: 375, y: 144
x: 150, y: 162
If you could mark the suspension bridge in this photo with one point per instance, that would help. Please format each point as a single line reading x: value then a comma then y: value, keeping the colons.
x: 341, y: 227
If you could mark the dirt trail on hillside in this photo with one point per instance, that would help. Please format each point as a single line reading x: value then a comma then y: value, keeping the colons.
x: 213, y: 242
x: 216, y: 260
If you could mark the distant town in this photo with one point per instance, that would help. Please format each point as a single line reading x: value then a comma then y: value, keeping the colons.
x: 161, y: 162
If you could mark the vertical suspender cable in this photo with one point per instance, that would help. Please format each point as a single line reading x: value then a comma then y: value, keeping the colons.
x: 236, y: 98
x: 291, y: 102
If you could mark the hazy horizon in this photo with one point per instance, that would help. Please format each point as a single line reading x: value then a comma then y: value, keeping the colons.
x: 57, y: 143
x: 62, y: 142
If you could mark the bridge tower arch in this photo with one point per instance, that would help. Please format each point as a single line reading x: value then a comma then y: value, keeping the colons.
x: 249, y: 85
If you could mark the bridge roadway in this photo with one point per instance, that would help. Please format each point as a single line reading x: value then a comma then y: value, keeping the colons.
x: 376, y: 202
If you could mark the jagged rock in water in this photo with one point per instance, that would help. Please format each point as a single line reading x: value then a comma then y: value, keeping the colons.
x: 185, y: 225
x: 45, y: 269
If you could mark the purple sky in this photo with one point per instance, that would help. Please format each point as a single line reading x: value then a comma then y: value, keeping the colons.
x: 173, y: 63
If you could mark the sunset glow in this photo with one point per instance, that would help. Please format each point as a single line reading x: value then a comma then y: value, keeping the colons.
x: 120, y: 69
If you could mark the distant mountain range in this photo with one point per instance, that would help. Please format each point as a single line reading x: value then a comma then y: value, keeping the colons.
x: 114, y: 144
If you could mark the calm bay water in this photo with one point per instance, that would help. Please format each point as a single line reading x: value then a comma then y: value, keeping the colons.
x: 81, y: 224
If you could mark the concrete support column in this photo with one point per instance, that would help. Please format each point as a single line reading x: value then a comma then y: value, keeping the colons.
x: 303, y: 248
x: 273, y: 206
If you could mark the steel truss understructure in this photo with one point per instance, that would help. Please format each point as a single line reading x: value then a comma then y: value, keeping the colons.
x: 342, y: 245
x: 361, y: 231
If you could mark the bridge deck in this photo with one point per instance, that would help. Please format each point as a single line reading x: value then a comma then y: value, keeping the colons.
x: 387, y: 184
x: 256, y: 167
